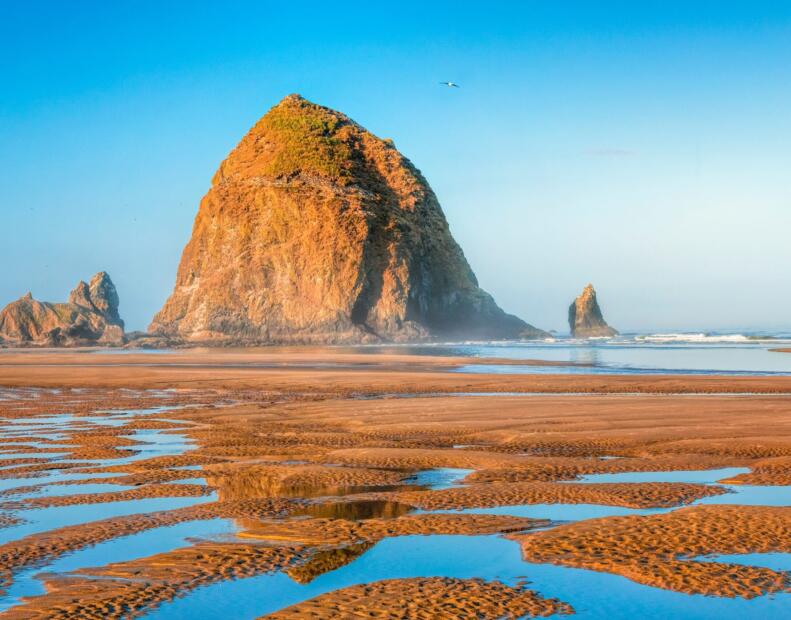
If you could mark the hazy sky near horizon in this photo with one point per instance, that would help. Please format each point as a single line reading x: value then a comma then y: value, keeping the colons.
x: 641, y: 146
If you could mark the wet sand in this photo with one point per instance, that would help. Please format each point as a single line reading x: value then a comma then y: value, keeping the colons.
x: 314, y: 456
x: 428, y: 598
x: 310, y: 358
x: 648, y: 495
x: 35, y: 549
x: 319, y: 531
x: 660, y: 550
x: 350, y: 374
x: 142, y: 492
x: 769, y: 472
x: 116, y: 589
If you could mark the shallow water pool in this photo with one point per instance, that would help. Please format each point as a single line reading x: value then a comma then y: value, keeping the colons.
x: 440, y: 478
x: 121, y: 549
x: 595, y: 596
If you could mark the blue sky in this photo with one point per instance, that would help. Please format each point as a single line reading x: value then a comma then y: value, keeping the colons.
x: 645, y: 147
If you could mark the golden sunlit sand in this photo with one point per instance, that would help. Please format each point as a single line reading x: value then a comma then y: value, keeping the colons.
x: 312, y: 455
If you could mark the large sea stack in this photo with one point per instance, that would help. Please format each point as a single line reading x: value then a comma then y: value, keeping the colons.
x: 90, y: 317
x: 316, y: 231
x: 585, y: 317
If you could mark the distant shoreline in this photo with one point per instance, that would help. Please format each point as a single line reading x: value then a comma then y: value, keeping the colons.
x: 353, y: 375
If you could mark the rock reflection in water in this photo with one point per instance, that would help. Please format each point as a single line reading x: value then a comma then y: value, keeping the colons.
x: 355, y: 510
x: 308, y: 491
x: 326, y: 561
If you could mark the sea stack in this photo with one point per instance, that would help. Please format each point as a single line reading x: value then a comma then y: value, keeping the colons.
x: 316, y: 231
x: 585, y: 317
x: 90, y: 317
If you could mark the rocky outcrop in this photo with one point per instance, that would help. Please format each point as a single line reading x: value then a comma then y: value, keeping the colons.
x: 316, y: 231
x: 89, y: 317
x: 585, y: 317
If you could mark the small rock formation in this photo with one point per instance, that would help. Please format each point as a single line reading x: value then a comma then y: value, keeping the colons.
x: 89, y: 317
x: 585, y: 317
x: 316, y: 231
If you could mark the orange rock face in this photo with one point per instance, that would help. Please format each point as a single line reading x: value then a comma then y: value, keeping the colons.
x: 585, y: 317
x: 315, y: 230
x: 90, y: 317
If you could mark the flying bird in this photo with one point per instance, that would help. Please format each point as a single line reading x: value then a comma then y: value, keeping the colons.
x: 450, y: 84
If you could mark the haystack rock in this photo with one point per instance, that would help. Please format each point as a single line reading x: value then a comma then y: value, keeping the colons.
x: 585, y: 317
x: 316, y: 231
x: 89, y: 317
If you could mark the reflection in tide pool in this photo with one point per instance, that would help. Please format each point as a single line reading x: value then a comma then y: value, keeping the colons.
x: 354, y: 510
x: 595, y: 596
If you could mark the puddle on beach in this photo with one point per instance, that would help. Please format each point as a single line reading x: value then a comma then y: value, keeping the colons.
x: 557, y: 512
x: 121, y: 549
x: 748, y: 495
x: 45, y: 519
x: 775, y: 561
x: 744, y: 494
x: 32, y: 455
x: 48, y: 478
x: 59, y: 490
x: 706, y: 476
x: 440, y: 478
x: 151, y: 443
x: 595, y: 596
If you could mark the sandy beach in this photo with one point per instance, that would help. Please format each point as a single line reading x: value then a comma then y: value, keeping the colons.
x: 315, y: 457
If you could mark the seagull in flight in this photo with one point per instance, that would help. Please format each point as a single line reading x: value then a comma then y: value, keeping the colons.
x: 450, y: 84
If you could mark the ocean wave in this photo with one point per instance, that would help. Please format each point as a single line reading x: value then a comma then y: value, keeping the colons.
x: 697, y: 338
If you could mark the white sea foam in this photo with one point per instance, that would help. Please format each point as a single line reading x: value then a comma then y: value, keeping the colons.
x: 696, y: 338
